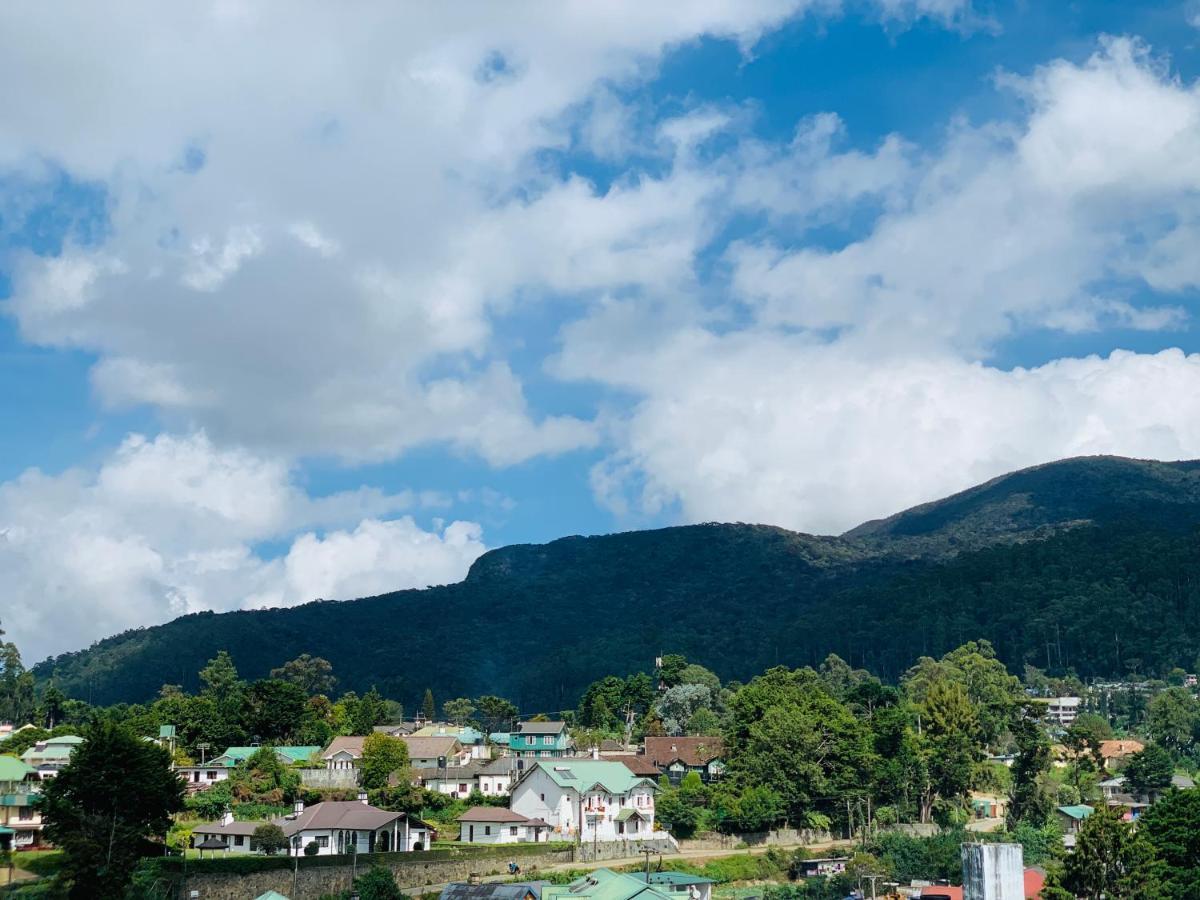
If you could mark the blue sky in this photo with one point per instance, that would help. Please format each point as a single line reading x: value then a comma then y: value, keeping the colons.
x: 326, y: 306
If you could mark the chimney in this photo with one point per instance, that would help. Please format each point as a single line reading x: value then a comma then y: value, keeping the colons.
x: 362, y: 797
x: 297, y: 807
x: 227, y: 816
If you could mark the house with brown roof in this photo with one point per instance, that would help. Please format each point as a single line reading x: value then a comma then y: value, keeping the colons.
x: 343, y: 752
x: 335, y: 827
x: 435, y: 752
x: 496, y: 825
x: 676, y: 756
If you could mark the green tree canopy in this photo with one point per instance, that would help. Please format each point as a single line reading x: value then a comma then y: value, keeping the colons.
x: 382, y: 755
x: 1111, y: 861
x: 102, y: 808
x: 428, y: 707
x: 311, y: 674
x: 1150, y: 770
x: 1172, y: 826
x: 269, y: 838
x: 459, y: 710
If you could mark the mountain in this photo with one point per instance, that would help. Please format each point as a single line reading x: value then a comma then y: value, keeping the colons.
x: 1079, y: 563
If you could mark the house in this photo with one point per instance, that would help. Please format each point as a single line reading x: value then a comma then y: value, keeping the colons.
x: 500, y: 739
x: 7, y: 729
x: 823, y: 867
x: 1119, y: 793
x: 1062, y: 711
x: 287, y: 755
x: 496, y: 825
x: 1117, y: 751
x: 200, y: 778
x: 397, y: 729
x: 640, y: 765
x: 592, y: 800
x: 335, y: 827
x: 496, y: 777
x: 539, y: 740
x: 1071, y: 818
x: 464, y: 890
x: 343, y: 752
x: 454, y: 781
x: 435, y: 752
x: 50, y: 755
x: 679, y: 885
x: 988, y: 806
x: 19, y: 786
x: 605, y: 884
x: 471, y: 739
x: 676, y: 756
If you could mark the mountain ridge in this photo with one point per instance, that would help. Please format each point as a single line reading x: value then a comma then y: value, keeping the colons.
x: 580, y: 607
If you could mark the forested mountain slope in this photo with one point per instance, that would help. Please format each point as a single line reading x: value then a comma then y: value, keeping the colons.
x: 1089, y: 563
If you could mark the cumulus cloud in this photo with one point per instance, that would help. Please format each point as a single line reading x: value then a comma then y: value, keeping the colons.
x: 855, y: 380
x: 169, y: 526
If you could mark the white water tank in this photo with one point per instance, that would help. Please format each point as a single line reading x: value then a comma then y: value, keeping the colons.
x: 993, y: 872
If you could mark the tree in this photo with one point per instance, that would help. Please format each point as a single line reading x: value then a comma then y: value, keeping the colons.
x: 1172, y: 719
x: 1172, y: 826
x: 220, y: 677
x: 371, y: 710
x: 102, y: 808
x: 53, y: 702
x: 1028, y: 801
x: 1150, y: 770
x: 950, y: 741
x: 269, y: 838
x: 378, y: 883
x: 428, y: 709
x: 671, y: 670
x: 381, y: 756
x: 17, y: 703
x: 1084, y: 739
x: 274, y: 710
x: 458, y: 711
x: 311, y: 674
x: 495, y: 713
x: 678, y: 704
x: 264, y: 778
x: 1111, y: 861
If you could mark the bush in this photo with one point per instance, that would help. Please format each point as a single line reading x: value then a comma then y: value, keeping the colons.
x: 270, y: 838
x: 312, y: 848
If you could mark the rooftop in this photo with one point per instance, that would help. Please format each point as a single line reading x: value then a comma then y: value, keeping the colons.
x: 691, y: 751
x: 491, y: 814
x: 462, y: 890
x: 584, y: 774
x: 604, y: 884
x: 541, y: 727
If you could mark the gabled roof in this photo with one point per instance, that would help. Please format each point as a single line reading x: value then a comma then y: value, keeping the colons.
x: 13, y: 769
x: 430, y: 747
x: 339, y: 814
x: 451, y: 773
x: 1119, y: 749
x: 604, y: 884
x: 679, y: 878
x: 501, y: 765
x: 541, y: 727
x: 465, y: 733
x: 1079, y: 811
x: 492, y: 814
x: 462, y: 890
x: 352, y: 744
x: 584, y: 774
x: 639, y: 765
x: 233, y: 828
x: 691, y: 751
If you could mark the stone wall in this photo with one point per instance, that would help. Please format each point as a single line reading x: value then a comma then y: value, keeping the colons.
x: 329, y: 779
x: 778, y: 837
x: 625, y: 849
x: 313, y: 881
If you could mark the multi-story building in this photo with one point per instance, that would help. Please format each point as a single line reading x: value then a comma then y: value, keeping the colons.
x: 587, y: 800
x: 1062, y: 711
x: 540, y: 740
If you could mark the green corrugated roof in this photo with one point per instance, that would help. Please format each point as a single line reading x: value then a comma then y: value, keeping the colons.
x: 166, y: 731
x: 626, y: 814
x: 603, y: 884
x: 13, y: 769
x: 1082, y: 811
x: 672, y: 878
x: 295, y: 754
x: 17, y: 799
x: 582, y: 774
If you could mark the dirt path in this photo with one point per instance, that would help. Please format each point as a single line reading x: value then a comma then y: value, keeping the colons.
x: 694, y: 855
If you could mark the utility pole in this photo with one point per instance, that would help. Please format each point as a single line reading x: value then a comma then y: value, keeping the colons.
x: 647, y: 852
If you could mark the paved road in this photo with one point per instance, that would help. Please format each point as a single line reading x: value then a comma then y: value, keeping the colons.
x: 637, y: 860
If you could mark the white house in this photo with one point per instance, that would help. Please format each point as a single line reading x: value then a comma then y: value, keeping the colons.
x: 199, y: 778
x: 335, y: 827
x: 343, y: 752
x: 496, y: 778
x: 454, y: 781
x: 496, y: 825
x: 1063, y: 711
x: 592, y: 800
x: 435, y: 752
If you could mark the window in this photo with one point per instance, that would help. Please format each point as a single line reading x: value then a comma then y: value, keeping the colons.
x: 239, y: 840
x: 24, y: 814
x: 487, y: 829
x: 548, y: 740
x: 513, y: 830
x: 462, y: 788
x: 212, y: 776
x: 543, y: 796
x: 322, y: 840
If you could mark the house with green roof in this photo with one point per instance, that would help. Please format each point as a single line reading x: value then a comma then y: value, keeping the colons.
x: 287, y: 755
x: 50, y: 755
x: 587, y: 799
x: 19, y: 785
x: 605, y: 884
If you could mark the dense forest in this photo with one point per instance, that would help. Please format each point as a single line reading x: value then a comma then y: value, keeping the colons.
x: 1087, y: 565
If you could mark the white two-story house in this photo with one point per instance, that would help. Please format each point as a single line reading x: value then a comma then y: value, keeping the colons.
x: 586, y: 799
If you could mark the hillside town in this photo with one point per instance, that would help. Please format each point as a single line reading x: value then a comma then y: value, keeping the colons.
x: 625, y: 776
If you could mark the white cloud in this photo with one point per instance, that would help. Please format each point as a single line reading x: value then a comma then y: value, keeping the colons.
x: 168, y: 526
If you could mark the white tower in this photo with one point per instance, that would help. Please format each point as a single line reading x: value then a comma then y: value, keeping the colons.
x: 993, y: 872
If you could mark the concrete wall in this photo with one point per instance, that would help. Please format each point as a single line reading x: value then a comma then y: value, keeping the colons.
x: 625, y: 849
x: 993, y: 872
x: 778, y: 837
x: 312, y: 882
x: 329, y: 779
